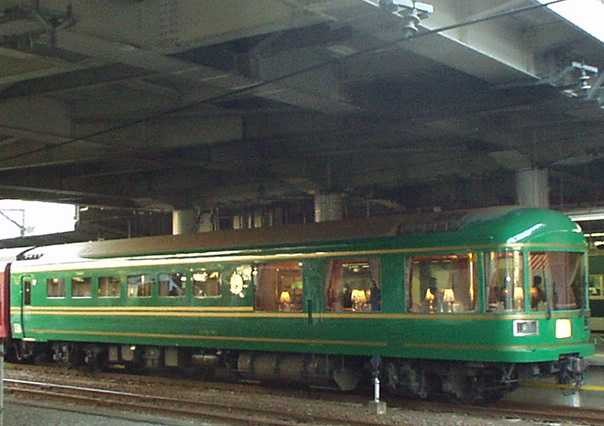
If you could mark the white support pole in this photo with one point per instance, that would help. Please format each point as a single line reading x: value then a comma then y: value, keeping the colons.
x: 329, y: 207
x: 532, y: 188
x: 206, y: 222
x: 183, y: 222
x: 376, y: 389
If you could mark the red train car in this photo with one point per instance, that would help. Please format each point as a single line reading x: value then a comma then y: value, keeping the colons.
x: 5, y: 302
x: 7, y: 256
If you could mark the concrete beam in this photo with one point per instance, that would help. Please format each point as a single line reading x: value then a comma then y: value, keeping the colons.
x: 70, y: 79
x: 166, y: 133
x: 178, y: 25
x: 20, y: 66
x: 496, y: 51
x: 159, y: 63
x: 22, y: 114
x: 20, y: 26
x: 130, y: 103
x: 65, y: 196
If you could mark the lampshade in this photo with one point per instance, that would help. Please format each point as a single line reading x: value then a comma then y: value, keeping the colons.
x: 429, y: 296
x: 518, y: 293
x: 449, y: 295
x: 285, y: 297
x: 359, y: 296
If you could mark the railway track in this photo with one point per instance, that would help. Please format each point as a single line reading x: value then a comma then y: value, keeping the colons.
x: 239, y: 412
x: 519, y: 411
x: 161, y: 405
x: 546, y: 412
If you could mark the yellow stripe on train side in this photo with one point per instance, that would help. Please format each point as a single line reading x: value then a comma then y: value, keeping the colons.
x: 282, y: 340
x: 212, y: 338
x: 249, y: 312
x: 543, y: 385
x: 138, y: 308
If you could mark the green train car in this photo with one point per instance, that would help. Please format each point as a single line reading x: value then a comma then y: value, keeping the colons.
x: 596, y: 290
x: 461, y: 304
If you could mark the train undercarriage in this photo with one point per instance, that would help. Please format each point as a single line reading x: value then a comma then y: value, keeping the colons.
x: 411, y: 378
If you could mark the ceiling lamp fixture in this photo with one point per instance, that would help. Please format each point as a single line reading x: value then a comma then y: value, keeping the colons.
x: 584, y: 79
x: 576, y: 86
x: 585, y: 215
x: 412, y: 13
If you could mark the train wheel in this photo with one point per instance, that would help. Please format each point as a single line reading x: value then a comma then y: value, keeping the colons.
x: 23, y: 352
x: 95, y: 358
x: 481, y: 389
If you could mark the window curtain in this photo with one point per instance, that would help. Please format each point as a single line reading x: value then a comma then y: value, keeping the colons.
x: 374, y: 268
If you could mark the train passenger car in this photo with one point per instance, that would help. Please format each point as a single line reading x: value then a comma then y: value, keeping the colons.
x: 462, y: 304
x: 596, y: 290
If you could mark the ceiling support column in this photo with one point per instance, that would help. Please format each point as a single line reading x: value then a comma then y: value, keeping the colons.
x: 329, y: 207
x: 532, y: 188
x: 206, y: 222
x: 184, y: 222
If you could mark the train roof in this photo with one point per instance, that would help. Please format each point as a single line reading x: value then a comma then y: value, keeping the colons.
x: 487, y: 227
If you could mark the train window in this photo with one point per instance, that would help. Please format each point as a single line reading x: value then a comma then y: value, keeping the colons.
x: 109, y: 287
x: 206, y: 283
x: 442, y: 283
x: 173, y: 284
x: 81, y: 287
x: 538, y: 263
x: 505, y: 281
x: 140, y: 285
x: 55, y: 287
x: 564, y: 272
x: 354, y: 285
x: 279, y: 287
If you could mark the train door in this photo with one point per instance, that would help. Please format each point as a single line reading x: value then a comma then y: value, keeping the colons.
x: 26, y: 287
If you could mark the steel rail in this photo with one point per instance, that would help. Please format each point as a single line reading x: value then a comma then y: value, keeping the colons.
x: 149, y: 403
x: 501, y: 409
x: 545, y: 412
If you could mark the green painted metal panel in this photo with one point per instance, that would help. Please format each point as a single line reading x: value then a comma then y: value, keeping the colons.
x: 484, y: 340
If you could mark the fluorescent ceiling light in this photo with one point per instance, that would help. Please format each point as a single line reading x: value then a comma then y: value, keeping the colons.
x: 585, y: 14
x: 584, y: 217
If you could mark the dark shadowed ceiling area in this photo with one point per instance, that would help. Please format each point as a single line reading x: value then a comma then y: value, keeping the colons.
x: 181, y: 103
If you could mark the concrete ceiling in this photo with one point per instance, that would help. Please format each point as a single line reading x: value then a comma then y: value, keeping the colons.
x: 174, y: 103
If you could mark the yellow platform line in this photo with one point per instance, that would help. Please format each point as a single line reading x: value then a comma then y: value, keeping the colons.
x: 541, y: 385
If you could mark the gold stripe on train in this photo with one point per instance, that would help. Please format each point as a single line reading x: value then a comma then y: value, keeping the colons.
x: 141, y: 308
x: 212, y: 338
x: 249, y: 313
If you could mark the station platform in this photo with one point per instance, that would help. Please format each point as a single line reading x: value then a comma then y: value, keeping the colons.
x: 597, y: 360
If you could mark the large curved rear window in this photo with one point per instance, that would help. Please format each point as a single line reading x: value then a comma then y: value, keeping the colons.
x: 505, y: 281
x: 560, y: 274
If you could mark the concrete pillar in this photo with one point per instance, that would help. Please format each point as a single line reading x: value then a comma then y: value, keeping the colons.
x: 329, y: 207
x: 206, y: 222
x: 183, y: 222
x: 532, y: 188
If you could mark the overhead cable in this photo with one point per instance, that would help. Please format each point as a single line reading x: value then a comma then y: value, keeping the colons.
x: 286, y: 76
